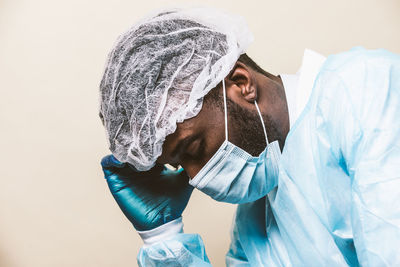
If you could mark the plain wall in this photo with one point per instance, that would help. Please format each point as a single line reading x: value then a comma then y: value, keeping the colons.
x: 55, y: 208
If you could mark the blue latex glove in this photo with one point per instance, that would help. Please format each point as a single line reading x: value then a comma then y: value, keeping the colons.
x: 148, y: 199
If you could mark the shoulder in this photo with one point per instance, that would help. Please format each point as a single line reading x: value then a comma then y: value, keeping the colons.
x: 362, y: 78
x: 358, y: 57
x: 356, y: 98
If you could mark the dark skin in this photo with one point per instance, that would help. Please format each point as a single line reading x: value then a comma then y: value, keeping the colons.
x: 197, y: 139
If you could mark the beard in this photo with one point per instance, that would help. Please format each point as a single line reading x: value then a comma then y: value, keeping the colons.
x: 248, y: 131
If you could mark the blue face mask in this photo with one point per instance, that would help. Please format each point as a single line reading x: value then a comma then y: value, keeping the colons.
x: 232, y: 175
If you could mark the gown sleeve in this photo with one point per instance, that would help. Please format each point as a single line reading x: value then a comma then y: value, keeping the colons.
x: 178, y: 250
x: 167, y: 245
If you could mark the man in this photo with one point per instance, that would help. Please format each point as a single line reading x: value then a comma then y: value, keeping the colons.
x: 179, y: 89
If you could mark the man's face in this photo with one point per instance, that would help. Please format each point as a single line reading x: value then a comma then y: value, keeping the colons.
x: 197, y: 139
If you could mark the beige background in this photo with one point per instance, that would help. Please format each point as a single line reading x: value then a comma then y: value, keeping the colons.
x: 55, y: 208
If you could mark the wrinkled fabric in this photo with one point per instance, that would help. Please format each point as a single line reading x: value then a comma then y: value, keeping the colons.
x: 159, y: 71
x: 234, y: 176
x: 337, y: 202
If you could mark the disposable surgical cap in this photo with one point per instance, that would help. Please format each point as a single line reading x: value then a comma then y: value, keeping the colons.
x: 158, y: 73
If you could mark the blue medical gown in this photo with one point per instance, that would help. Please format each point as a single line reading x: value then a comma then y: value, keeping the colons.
x: 337, y: 202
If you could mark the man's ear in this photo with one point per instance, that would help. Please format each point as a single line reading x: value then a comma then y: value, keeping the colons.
x: 242, y: 77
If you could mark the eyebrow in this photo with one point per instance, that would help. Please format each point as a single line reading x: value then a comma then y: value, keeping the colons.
x: 184, y: 142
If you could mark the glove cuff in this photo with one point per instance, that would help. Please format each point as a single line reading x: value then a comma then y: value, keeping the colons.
x: 161, y: 232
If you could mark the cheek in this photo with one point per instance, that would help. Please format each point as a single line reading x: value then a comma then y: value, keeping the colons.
x: 193, y: 166
x: 191, y: 169
x: 210, y: 125
x: 211, y: 146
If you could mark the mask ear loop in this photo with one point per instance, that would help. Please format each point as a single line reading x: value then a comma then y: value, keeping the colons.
x: 262, y: 122
x: 225, y: 111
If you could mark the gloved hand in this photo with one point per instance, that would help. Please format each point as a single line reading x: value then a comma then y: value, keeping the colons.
x: 148, y: 199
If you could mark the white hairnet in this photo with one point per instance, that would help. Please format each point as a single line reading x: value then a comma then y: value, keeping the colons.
x: 158, y: 73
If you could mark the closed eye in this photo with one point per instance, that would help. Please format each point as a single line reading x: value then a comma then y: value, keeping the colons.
x: 195, y: 149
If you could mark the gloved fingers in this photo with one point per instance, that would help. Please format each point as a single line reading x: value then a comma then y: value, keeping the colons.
x: 170, y: 183
x: 110, y: 161
x: 179, y: 171
x: 116, y: 183
x: 116, y: 173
